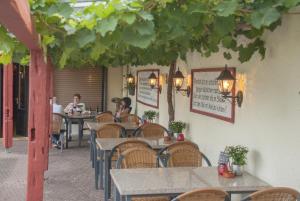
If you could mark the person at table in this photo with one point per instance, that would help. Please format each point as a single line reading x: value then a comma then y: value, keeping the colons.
x: 73, y: 107
x: 56, y: 108
x: 124, y: 109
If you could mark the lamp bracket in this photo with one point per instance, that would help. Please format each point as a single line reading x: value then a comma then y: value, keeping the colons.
x: 159, y: 88
x: 187, y: 90
x: 239, y: 98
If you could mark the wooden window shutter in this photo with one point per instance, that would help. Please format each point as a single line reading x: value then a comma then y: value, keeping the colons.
x: 88, y: 82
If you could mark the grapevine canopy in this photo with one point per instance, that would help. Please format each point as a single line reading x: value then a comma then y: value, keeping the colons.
x: 139, y: 32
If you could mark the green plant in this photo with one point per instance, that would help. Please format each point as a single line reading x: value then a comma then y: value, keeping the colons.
x: 238, y: 154
x: 150, y: 114
x: 177, y: 126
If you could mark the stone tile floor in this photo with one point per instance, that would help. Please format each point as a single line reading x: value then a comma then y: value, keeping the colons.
x: 70, y: 176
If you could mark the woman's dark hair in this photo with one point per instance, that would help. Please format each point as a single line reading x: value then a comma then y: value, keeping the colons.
x: 77, y: 95
x: 127, y: 101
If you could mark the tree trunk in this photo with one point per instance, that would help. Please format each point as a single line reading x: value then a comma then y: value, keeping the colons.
x: 170, y: 92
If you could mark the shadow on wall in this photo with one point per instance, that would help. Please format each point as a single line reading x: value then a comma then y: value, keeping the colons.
x: 256, y: 160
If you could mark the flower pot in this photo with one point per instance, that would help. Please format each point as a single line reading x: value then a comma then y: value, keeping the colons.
x: 180, y: 137
x: 237, y: 170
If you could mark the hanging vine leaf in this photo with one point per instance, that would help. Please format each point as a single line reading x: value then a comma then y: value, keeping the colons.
x: 136, y: 32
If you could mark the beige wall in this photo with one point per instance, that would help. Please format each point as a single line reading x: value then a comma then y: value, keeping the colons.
x: 268, y: 121
x: 114, y: 83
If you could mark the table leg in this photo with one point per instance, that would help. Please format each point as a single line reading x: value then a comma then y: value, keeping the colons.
x: 229, y: 196
x: 96, y: 172
x: 93, y: 147
x: 101, y: 169
x: 91, y: 150
x: 67, y: 133
x: 116, y: 194
x: 106, y: 172
x: 80, y: 132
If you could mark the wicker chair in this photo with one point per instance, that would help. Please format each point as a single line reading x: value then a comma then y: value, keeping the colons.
x: 140, y: 157
x: 106, y: 131
x: 182, y: 154
x: 132, y: 143
x: 274, y: 194
x: 209, y: 194
x: 58, y: 128
x: 120, y: 148
x: 105, y: 117
x: 151, y: 130
x: 131, y: 118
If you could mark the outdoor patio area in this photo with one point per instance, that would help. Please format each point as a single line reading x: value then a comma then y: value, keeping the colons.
x: 149, y: 100
x: 69, y: 178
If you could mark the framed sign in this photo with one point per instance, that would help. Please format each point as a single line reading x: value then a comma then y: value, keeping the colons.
x: 145, y: 94
x: 205, y: 96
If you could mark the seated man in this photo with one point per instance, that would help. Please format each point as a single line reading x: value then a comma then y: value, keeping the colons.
x: 73, y: 107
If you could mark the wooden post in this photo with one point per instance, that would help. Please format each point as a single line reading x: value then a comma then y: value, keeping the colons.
x: 8, y: 128
x: 38, y: 125
x: 49, y: 83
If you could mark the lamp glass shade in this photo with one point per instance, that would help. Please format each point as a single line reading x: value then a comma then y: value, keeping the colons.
x: 225, y: 82
x: 225, y: 86
x: 130, y: 79
x: 152, y: 80
x: 178, y: 79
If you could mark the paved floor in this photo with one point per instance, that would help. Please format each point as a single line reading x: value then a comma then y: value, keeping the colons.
x: 69, y: 178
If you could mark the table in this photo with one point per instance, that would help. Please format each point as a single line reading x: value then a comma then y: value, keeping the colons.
x: 129, y: 126
x: 107, y: 144
x: 174, y: 181
x: 94, y: 126
x: 80, y: 118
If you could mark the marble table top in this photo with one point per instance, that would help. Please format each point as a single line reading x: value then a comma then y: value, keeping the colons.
x: 159, y: 181
x: 79, y: 116
x: 126, y: 125
x: 107, y: 144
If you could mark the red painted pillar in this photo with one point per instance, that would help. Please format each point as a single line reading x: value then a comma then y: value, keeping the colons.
x: 49, y: 83
x: 8, y: 129
x: 38, y: 121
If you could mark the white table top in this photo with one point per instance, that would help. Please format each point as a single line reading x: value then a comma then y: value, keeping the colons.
x: 126, y: 125
x: 107, y: 144
x: 159, y: 181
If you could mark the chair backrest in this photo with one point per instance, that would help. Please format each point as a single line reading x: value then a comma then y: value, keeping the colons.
x: 56, y: 123
x: 105, y: 117
x: 151, y: 130
x: 110, y: 131
x: 209, y: 194
x: 123, y: 146
x: 274, y: 194
x: 138, y: 157
x: 131, y: 118
x: 184, y: 154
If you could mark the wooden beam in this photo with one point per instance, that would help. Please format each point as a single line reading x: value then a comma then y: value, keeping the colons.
x: 38, y: 125
x: 15, y: 16
x: 8, y: 128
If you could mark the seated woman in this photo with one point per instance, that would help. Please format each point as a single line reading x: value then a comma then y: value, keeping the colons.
x: 124, y: 108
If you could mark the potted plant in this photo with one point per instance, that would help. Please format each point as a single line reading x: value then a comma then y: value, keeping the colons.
x: 150, y: 115
x: 177, y: 127
x: 131, y: 89
x: 238, y: 157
